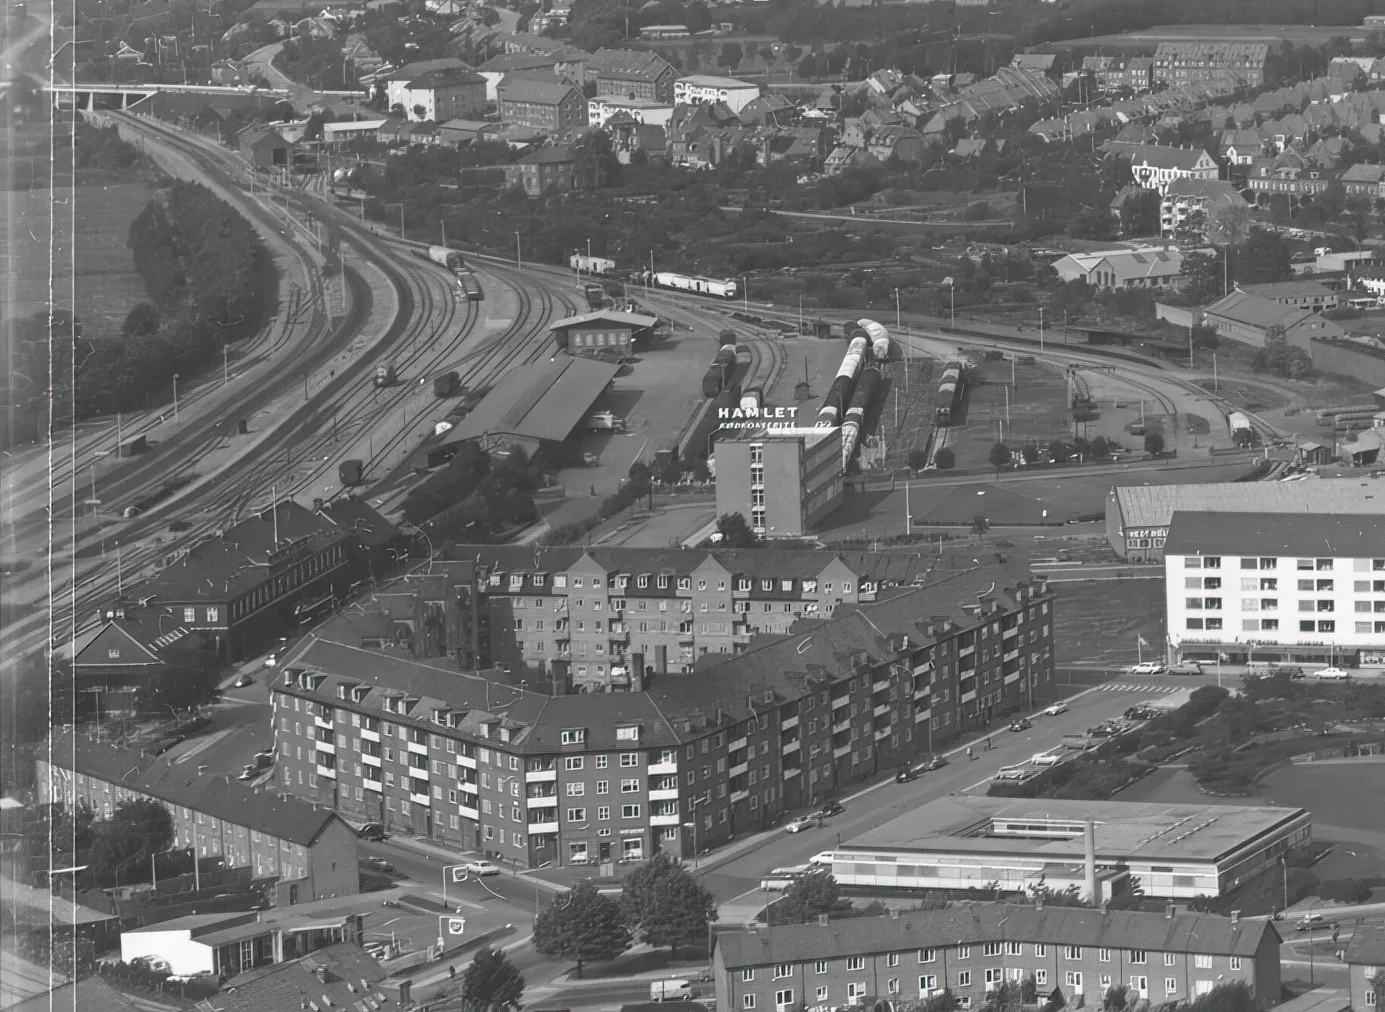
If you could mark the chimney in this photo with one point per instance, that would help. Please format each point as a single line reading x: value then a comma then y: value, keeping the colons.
x: 1235, y: 917
x: 1090, y: 836
x: 822, y: 920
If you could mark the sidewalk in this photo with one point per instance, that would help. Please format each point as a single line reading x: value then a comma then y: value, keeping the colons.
x: 431, y: 849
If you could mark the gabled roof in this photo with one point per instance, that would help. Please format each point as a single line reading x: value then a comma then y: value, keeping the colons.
x: 1363, y: 173
x: 1155, y: 505
x: 1254, y: 310
x: 1163, y: 157
x: 1348, y: 535
x: 559, y: 155
x: 638, y: 64
x: 344, y: 973
x: 519, y: 89
x: 1289, y: 289
x: 449, y: 78
x: 1367, y: 945
x: 605, y: 315
x: 995, y: 922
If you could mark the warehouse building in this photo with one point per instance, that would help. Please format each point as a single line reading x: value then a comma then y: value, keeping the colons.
x: 964, y: 842
x: 912, y: 956
x: 536, y: 403
x: 308, y: 850
x: 782, y: 480
x: 603, y: 332
x: 489, y: 763
x: 1294, y: 587
x: 1138, y: 516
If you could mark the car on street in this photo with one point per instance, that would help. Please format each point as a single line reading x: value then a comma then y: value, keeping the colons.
x: 933, y: 762
x: 830, y: 809
x: 1021, y: 725
x: 1332, y: 674
x: 371, y: 831
x: 243, y: 681
x: 378, y: 863
x: 481, y: 868
x: 904, y: 775
x: 1186, y: 668
x: 1146, y: 668
x: 801, y: 823
x: 1056, y: 709
x: 781, y: 879
x: 1310, y: 921
x: 1045, y: 759
x: 249, y: 773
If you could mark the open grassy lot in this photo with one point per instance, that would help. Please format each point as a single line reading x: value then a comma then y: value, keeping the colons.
x: 1149, y: 38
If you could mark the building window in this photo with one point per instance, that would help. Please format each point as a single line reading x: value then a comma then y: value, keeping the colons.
x: 1138, y: 956
x: 1075, y: 979
x: 573, y: 762
x: 1040, y: 950
x: 784, y: 998
x: 964, y: 952
x: 855, y: 962
x: 1202, y: 962
x: 927, y: 983
x: 926, y: 955
x: 1170, y: 985
x: 630, y: 811
x: 822, y: 994
x: 1235, y: 962
x: 820, y: 966
x: 783, y: 970
x: 1041, y: 977
x: 747, y: 1001
x: 748, y: 974
x: 964, y: 979
x: 1073, y: 952
x: 991, y: 949
x: 892, y: 985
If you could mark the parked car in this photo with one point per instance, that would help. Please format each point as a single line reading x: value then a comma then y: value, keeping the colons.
x: 378, y: 863
x: 243, y: 681
x: 1310, y: 921
x: 1056, y: 709
x: 1021, y: 725
x: 801, y: 823
x: 1044, y: 759
x: 782, y: 879
x: 933, y: 762
x: 1186, y: 668
x: 371, y: 831
x: 249, y: 773
x: 1332, y: 674
x: 670, y: 990
x: 830, y: 809
x: 1146, y: 668
x: 904, y: 775
x: 481, y: 868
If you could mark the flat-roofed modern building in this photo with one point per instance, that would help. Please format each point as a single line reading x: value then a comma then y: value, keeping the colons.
x: 1138, y: 516
x: 914, y: 955
x: 783, y: 481
x: 1293, y: 587
x: 961, y: 842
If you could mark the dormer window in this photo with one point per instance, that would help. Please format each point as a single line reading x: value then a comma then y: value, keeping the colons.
x: 622, y: 582
x: 766, y: 584
x: 574, y: 736
x: 540, y: 579
x: 631, y: 733
x: 684, y: 583
x: 516, y: 581
x: 642, y: 581
x: 341, y: 691
x: 358, y: 693
x: 504, y: 733
x: 663, y: 581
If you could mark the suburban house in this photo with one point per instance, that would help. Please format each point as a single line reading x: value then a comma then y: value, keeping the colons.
x: 1145, y: 267
x: 397, y: 82
x: 1363, y: 180
x: 1249, y: 319
x: 1156, y: 166
x: 1365, y: 959
x: 1241, y: 147
x: 264, y: 147
x: 542, y: 168
x: 558, y: 109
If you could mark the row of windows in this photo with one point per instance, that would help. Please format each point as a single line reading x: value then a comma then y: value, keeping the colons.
x: 602, y: 813
x: 1137, y: 957
x: 1302, y: 565
x: 662, y: 581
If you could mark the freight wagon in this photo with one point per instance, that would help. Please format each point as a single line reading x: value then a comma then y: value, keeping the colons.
x: 446, y: 385
x: 699, y: 285
x: 856, y: 413
x: 596, y: 296
x: 591, y: 265
x: 949, y: 396
x: 385, y: 376
x: 721, y: 374
x: 838, y: 397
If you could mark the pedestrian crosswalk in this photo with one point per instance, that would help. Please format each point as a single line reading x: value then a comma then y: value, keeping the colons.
x: 1150, y: 687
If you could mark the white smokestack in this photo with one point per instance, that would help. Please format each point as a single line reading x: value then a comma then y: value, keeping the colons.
x: 1090, y: 837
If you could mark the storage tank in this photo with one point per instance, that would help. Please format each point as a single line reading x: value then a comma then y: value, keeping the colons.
x: 834, y: 404
x: 856, y: 412
x: 448, y: 258
x: 714, y: 381
x: 351, y: 472
x: 879, y: 339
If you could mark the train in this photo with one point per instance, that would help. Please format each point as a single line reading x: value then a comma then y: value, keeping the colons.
x: 752, y: 399
x: 879, y: 339
x: 721, y: 374
x: 838, y: 399
x: 688, y: 283
x: 866, y: 387
x: 949, y: 396
x: 596, y: 296
x: 591, y: 265
x: 444, y: 257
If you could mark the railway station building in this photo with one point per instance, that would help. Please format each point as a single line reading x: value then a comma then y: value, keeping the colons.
x: 782, y: 480
x: 603, y: 333
x: 1138, y: 516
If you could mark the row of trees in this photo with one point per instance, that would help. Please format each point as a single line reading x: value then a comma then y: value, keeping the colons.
x: 116, y: 851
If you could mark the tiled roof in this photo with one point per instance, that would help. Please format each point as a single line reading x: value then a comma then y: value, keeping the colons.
x: 178, y: 783
x: 1289, y: 290
x: 558, y: 155
x: 994, y: 922
x: 342, y: 976
x: 88, y: 993
x: 1212, y: 189
x: 1164, y: 157
x: 1367, y: 945
x: 1343, y: 535
x: 640, y: 64
x: 1362, y: 173
x: 1155, y: 505
x: 519, y: 89
x: 445, y: 79
x: 1254, y: 311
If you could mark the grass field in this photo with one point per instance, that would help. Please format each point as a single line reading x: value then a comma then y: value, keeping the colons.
x: 1098, y: 621
x: 107, y: 285
x: 1149, y: 38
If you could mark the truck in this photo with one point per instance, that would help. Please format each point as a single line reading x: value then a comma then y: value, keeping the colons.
x: 447, y: 384
x: 351, y: 472
x: 670, y: 990
x: 604, y: 421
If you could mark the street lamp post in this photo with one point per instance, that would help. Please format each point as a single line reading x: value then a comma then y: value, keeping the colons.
x: 519, y: 261
x: 175, y: 398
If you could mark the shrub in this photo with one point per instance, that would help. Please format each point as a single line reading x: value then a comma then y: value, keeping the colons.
x: 945, y: 459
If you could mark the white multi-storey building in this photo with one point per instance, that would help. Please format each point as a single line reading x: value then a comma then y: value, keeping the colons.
x: 1293, y: 587
x: 699, y: 88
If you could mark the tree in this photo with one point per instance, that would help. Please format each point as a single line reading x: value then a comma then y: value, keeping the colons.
x: 999, y: 456
x: 730, y: 55
x: 1280, y: 358
x: 735, y: 532
x: 811, y: 895
x: 122, y: 844
x: 1232, y: 997
x: 979, y: 524
x: 140, y: 321
x: 664, y: 905
x: 491, y: 982
x: 1006, y: 998
x: 943, y: 1001
x: 1140, y: 213
x: 1229, y: 223
x: 583, y: 926
x: 1192, y: 229
x: 1154, y: 443
x: 945, y: 459
x: 918, y: 459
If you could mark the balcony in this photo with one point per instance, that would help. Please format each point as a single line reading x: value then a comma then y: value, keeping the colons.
x: 792, y: 771
x: 370, y: 760
x: 1012, y: 677
x: 325, y: 722
x: 884, y: 732
x: 840, y: 701
x: 669, y: 768
x: 789, y: 723
x: 326, y: 771
x: 738, y: 770
x: 468, y: 761
x: 373, y: 785
x: 736, y: 745
x: 923, y: 669
x: 665, y: 820
x: 967, y: 651
x: 469, y: 813
x: 418, y: 747
x: 921, y: 715
x: 841, y: 725
x: 541, y: 777
x: 542, y: 828
x: 739, y: 796
x: 621, y: 635
x: 880, y: 686
x: 790, y: 747
x: 421, y: 799
x: 327, y: 746
x: 470, y: 787
x: 551, y: 801
x: 967, y: 697
x: 1010, y: 633
x: 1010, y: 655
x: 369, y: 735
x: 419, y: 772
x: 837, y: 753
x: 882, y: 708
x: 670, y: 794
